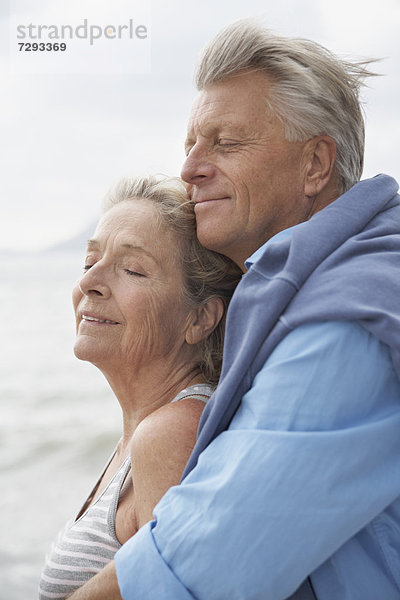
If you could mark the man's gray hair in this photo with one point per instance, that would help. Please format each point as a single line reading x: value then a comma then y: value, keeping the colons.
x: 313, y: 92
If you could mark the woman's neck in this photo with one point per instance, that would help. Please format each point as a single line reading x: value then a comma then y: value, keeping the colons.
x: 142, y: 393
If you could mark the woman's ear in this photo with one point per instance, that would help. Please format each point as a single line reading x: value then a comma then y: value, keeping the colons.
x: 204, y: 320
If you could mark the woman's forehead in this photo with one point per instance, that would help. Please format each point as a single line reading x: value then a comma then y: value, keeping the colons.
x: 136, y: 225
x: 135, y: 217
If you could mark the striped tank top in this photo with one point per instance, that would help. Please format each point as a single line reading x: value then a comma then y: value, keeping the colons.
x: 86, y: 545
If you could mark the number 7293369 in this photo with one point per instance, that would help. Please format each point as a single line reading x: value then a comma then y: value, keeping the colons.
x: 42, y: 47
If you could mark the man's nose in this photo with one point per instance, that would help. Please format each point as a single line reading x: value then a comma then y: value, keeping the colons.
x: 197, y: 168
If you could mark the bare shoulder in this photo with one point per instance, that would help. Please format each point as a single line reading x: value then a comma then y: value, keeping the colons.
x: 172, y: 424
x: 160, y: 448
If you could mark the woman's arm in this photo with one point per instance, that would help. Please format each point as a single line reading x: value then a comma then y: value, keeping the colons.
x: 103, y: 586
x: 161, y: 446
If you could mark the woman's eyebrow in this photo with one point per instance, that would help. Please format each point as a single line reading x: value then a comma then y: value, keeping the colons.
x: 93, y: 244
x: 133, y: 248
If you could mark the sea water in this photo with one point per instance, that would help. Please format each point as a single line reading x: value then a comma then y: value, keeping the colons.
x: 59, y: 421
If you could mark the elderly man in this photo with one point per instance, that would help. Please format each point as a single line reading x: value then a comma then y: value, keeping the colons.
x: 293, y: 488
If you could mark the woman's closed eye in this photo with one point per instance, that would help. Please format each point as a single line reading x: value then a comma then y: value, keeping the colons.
x: 131, y: 272
x: 90, y: 260
x: 227, y: 143
x: 134, y: 273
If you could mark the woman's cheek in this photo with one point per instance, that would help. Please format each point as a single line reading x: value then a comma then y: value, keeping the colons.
x: 76, y: 298
x: 142, y: 336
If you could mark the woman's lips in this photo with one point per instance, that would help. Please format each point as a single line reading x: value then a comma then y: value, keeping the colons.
x: 94, y: 320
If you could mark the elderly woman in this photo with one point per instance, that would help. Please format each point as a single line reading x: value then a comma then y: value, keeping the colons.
x: 149, y: 314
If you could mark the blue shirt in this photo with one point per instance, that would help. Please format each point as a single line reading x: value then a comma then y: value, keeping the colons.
x: 310, y: 468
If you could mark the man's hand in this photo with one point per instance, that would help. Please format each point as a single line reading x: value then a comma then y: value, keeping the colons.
x: 103, y: 586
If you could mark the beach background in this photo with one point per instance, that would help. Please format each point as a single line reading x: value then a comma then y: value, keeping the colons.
x: 66, y: 137
x: 59, y: 421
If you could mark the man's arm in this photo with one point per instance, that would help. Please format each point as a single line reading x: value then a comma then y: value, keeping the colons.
x: 309, y: 459
x: 103, y: 586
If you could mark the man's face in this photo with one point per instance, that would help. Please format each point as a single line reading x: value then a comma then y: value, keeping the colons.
x: 246, y: 180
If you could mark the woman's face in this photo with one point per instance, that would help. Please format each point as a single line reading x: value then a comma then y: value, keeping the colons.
x: 128, y: 304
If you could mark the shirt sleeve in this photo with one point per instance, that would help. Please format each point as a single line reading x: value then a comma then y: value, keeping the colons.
x: 287, y: 484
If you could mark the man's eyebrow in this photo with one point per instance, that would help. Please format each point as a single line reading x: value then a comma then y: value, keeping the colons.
x: 224, y: 127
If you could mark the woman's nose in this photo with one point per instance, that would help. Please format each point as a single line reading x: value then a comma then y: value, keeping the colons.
x: 94, y: 282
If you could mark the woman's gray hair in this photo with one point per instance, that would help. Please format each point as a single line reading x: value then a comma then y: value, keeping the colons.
x: 313, y: 93
x: 206, y: 274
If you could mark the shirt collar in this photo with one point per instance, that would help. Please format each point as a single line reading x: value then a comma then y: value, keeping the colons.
x: 278, y: 237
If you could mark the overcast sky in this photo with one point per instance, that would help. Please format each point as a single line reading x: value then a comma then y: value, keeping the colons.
x: 66, y: 137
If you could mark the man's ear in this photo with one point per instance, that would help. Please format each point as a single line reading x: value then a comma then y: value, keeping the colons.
x: 320, y: 155
x: 204, y: 320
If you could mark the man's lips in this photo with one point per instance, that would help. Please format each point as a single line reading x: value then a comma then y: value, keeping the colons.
x: 96, y: 320
x: 213, y: 199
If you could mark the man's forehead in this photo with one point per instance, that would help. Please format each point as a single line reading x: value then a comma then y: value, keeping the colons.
x: 220, y: 109
x: 214, y: 105
x: 210, y: 100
